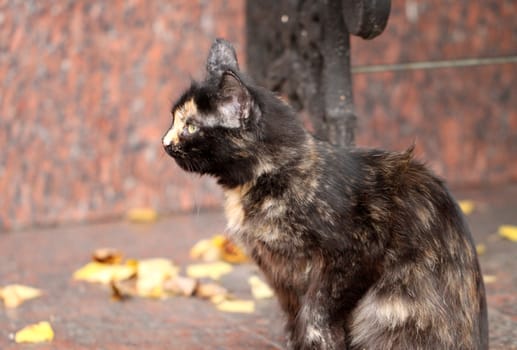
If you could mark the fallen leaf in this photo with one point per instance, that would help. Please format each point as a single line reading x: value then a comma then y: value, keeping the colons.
x: 36, y: 333
x: 212, y: 270
x: 508, y: 232
x: 122, y: 290
x: 489, y: 278
x: 239, y: 306
x: 96, y: 272
x: 107, y: 256
x: 232, y: 253
x: 480, y: 249
x: 151, y: 273
x: 219, y: 247
x: 15, y: 294
x: 205, y: 250
x: 217, y: 299
x: 259, y: 289
x: 180, y: 285
x: 210, y: 290
x: 142, y: 215
x: 466, y: 206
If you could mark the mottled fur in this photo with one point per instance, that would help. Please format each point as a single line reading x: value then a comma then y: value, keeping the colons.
x: 365, y: 249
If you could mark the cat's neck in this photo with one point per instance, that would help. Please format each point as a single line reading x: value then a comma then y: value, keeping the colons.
x: 285, y: 160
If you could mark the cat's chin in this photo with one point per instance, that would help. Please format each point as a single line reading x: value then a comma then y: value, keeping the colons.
x: 188, y: 165
x: 184, y: 164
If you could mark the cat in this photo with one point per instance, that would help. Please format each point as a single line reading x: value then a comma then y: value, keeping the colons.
x: 365, y: 249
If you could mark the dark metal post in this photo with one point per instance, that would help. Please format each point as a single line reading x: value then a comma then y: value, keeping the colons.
x: 301, y: 49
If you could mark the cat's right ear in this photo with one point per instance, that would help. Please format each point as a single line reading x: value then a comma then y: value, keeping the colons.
x: 221, y: 58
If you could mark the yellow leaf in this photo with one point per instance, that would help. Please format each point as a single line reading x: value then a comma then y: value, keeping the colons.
x: 219, y: 240
x: 212, y: 270
x: 489, y: 278
x: 36, y: 333
x: 240, y: 306
x: 219, y: 247
x: 180, y: 285
x: 210, y: 291
x: 219, y: 298
x: 151, y: 274
x: 142, y: 215
x: 96, y: 272
x: 15, y: 294
x: 205, y: 250
x: 232, y: 253
x: 508, y: 232
x: 259, y: 289
x: 466, y: 206
x: 121, y: 290
x: 480, y: 249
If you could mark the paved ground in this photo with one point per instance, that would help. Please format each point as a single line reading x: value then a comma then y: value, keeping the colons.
x: 84, y: 317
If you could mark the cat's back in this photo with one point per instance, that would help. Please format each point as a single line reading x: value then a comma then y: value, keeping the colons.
x: 430, y: 285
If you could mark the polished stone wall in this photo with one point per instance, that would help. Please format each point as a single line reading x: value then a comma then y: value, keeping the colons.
x: 85, y: 92
x: 85, y: 89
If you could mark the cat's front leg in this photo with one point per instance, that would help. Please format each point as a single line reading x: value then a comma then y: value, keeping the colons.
x: 314, y: 328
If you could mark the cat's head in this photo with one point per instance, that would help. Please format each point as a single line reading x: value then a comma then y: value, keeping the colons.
x: 218, y: 126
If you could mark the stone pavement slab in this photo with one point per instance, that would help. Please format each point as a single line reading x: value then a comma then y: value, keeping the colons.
x: 84, y: 316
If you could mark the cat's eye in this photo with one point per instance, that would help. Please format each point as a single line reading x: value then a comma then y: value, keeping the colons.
x: 191, y: 128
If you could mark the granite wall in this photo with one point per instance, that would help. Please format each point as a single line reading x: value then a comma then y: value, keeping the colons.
x: 85, y: 89
x: 463, y: 118
x: 85, y: 92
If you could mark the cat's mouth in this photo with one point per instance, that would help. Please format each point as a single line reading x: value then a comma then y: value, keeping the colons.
x: 174, y: 152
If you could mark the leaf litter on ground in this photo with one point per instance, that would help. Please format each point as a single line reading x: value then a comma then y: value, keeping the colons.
x: 14, y: 295
x: 509, y: 232
x: 259, y: 288
x: 142, y: 215
x: 467, y: 206
x: 218, y: 248
x: 36, y: 333
x: 159, y: 278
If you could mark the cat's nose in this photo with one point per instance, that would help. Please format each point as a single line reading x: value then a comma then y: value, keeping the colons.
x: 170, y: 138
x: 168, y: 148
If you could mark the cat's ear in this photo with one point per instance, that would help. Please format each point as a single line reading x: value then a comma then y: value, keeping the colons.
x: 235, y: 99
x: 221, y: 57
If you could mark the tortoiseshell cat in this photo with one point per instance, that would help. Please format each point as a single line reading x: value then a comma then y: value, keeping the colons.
x: 365, y: 249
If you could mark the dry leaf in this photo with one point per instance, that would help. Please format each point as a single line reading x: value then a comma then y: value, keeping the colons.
x: 210, y: 290
x: 15, y: 294
x: 212, y: 270
x: 466, y: 206
x: 219, y: 247
x: 217, y: 299
x: 36, y: 333
x: 240, y: 306
x: 259, y: 289
x: 104, y: 273
x: 121, y: 290
x: 180, y: 285
x: 232, y: 253
x: 142, y: 215
x: 489, y: 278
x: 205, y: 250
x: 480, y: 249
x: 151, y: 274
x: 508, y: 232
x: 107, y: 256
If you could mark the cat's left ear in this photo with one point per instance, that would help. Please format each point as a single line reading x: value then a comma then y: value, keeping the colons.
x: 221, y: 57
x: 235, y: 99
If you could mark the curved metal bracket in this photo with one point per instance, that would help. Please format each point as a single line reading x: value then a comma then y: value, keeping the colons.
x: 366, y: 18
